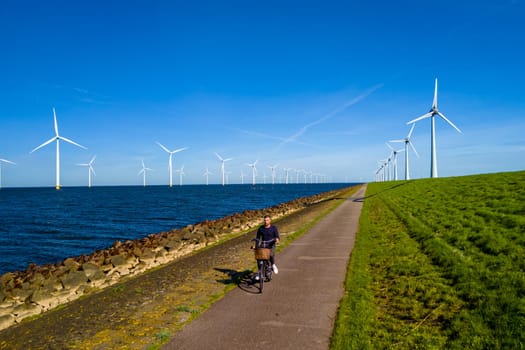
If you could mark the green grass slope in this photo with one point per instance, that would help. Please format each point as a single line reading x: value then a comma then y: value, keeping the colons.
x: 438, y: 264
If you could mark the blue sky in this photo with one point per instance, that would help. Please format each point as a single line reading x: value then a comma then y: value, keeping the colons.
x: 313, y: 85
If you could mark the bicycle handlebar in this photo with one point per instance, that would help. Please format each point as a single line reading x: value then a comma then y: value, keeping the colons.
x: 263, y: 244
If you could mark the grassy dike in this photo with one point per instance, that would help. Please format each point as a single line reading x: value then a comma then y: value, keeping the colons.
x: 144, y: 312
x: 438, y: 264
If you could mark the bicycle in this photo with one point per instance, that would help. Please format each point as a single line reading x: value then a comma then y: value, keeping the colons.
x: 262, y: 253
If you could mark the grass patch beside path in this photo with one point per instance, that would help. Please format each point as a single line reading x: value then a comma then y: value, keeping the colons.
x: 146, y: 311
x: 438, y: 264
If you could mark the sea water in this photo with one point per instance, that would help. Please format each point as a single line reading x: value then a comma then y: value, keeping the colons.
x: 43, y: 225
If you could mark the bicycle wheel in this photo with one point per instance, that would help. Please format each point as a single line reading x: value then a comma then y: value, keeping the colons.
x: 261, y: 275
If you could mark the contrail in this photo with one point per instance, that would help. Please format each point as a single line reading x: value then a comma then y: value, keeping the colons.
x: 260, y: 134
x: 352, y: 102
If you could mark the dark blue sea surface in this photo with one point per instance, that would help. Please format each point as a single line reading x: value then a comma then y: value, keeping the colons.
x: 42, y: 225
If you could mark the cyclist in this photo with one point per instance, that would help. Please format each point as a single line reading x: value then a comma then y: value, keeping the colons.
x: 269, y: 232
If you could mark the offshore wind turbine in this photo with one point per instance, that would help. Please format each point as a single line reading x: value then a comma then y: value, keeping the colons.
x: 181, y: 173
x: 286, y: 170
x: 431, y: 114
x: 90, y: 169
x: 143, y: 172
x: 57, y: 138
x: 407, y: 142
x: 171, y: 153
x: 207, y: 173
x: 4, y: 161
x: 242, y: 177
x: 222, y: 165
x: 254, y: 170
x: 394, y: 158
x: 272, y: 168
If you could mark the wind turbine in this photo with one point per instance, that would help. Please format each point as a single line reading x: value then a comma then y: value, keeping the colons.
x: 171, y: 153
x: 206, y: 173
x: 272, y: 168
x: 254, y: 171
x: 181, y: 173
x: 286, y: 170
x: 222, y: 165
x: 242, y: 177
x: 431, y: 114
x: 143, y: 172
x: 394, y: 158
x: 90, y: 169
x: 57, y: 138
x: 4, y: 161
x: 407, y: 142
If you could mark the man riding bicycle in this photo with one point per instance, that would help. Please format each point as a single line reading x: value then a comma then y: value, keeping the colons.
x: 269, y: 232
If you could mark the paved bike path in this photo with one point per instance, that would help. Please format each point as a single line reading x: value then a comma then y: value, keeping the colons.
x: 298, y: 307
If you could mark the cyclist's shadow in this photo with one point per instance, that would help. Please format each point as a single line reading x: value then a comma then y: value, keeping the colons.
x: 243, y: 279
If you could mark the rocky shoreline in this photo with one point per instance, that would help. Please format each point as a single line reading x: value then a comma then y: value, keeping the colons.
x: 42, y: 288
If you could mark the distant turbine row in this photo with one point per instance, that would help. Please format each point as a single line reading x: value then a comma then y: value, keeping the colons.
x: 383, y: 173
x: 91, y: 171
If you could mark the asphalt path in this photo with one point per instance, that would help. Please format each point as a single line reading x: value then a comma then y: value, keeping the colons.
x: 297, y: 309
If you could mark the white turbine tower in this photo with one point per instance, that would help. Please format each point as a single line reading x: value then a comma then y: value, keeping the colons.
x: 254, y: 171
x: 394, y: 158
x: 143, y: 172
x: 170, y: 164
x: 222, y: 165
x: 407, y: 142
x: 57, y: 138
x: 272, y: 168
x: 207, y: 173
x: 3, y: 161
x: 181, y: 173
x: 431, y: 114
x: 90, y: 169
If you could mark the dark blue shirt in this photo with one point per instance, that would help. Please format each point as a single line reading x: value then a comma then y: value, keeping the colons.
x: 267, y: 234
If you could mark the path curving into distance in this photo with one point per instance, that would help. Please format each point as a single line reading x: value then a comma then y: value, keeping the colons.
x: 298, y: 307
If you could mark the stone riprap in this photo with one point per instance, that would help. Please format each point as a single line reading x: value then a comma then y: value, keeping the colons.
x: 41, y: 288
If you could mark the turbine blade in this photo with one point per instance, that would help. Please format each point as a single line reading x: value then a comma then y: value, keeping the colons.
x: 435, y: 102
x: 218, y: 156
x: 44, y: 144
x: 426, y: 115
x: 92, y: 160
x: 413, y: 148
x: 163, y: 147
x: 179, y: 150
x: 411, y: 129
x: 71, y: 142
x: 56, y: 124
x: 448, y: 121
x: 386, y: 143
x: 93, y: 171
x: 6, y: 161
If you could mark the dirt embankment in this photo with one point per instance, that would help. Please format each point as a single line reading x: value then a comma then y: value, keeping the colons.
x: 145, y: 311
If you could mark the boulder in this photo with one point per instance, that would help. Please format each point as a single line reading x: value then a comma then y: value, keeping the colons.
x: 74, y: 279
x: 21, y: 294
x: 90, y: 269
x: 26, y: 309
x: 43, y: 298
x: 71, y: 264
x: 6, y: 320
